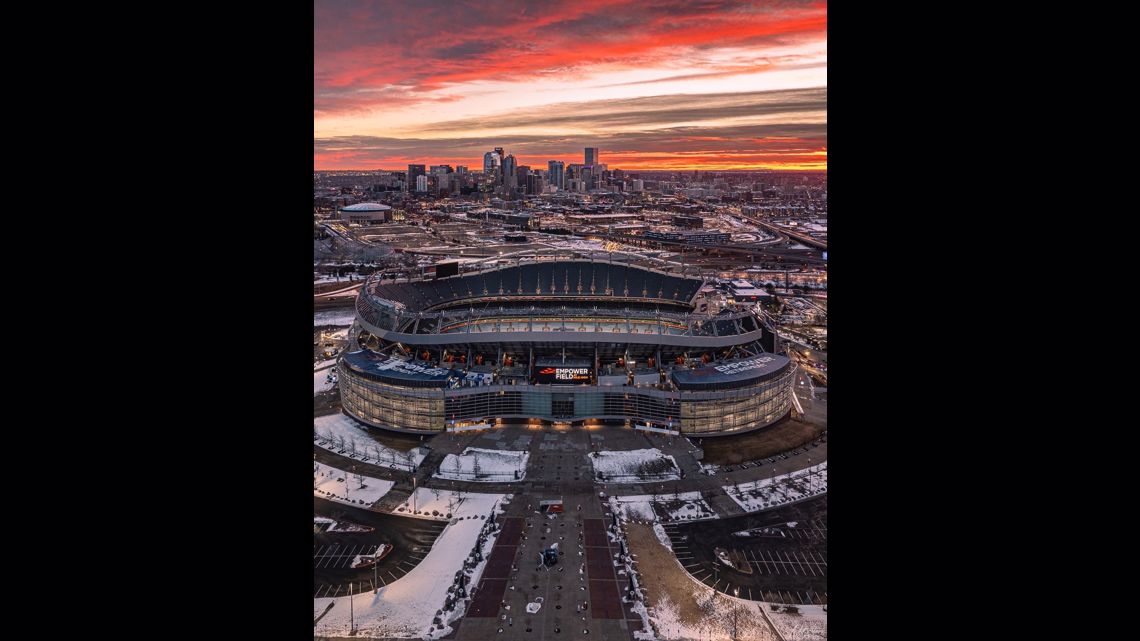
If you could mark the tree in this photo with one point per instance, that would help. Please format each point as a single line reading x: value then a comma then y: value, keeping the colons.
x: 458, y: 467
x: 475, y: 464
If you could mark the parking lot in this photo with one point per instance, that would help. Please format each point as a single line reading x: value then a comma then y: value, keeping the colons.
x: 333, y: 552
x: 340, y: 556
x: 788, y: 562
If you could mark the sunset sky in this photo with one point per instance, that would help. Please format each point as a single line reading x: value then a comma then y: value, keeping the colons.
x: 655, y: 84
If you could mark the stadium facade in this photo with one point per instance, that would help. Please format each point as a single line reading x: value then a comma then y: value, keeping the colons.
x: 556, y: 339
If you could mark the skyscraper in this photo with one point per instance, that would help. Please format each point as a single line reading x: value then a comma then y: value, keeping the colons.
x: 591, y: 155
x: 490, y: 163
x: 509, y: 179
x: 413, y: 172
x: 557, y: 173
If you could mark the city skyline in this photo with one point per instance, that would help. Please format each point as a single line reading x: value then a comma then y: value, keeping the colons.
x: 667, y: 85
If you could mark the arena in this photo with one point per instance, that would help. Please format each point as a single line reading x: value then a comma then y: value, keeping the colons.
x: 577, y: 339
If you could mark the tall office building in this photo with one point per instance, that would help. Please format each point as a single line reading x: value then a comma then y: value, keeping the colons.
x: 490, y: 163
x: 557, y: 170
x: 413, y: 172
x: 510, y: 180
x: 421, y: 182
x: 591, y: 155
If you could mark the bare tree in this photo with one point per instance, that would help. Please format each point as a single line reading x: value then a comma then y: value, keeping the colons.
x: 352, y: 446
x: 458, y: 467
x: 475, y: 463
x: 340, y: 441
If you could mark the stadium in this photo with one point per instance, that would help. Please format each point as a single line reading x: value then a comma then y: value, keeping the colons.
x: 557, y: 339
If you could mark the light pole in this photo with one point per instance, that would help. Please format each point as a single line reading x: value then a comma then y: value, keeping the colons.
x: 413, y: 492
x: 351, y: 614
x: 375, y: 564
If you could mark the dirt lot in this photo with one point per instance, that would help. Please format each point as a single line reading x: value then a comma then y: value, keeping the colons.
x: 678, y: 603
x: 781, y: 437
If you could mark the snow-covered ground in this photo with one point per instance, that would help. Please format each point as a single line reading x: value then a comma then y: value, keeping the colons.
x: 444, y: 502
x: 495, y: 466
x: 344, y: 487
x: 809, y: 624
x: 339, y: 526
x: 686, y: 507
x: 763, y: 493
x: 332, y: 428
x: 662, y: 536
x: 336, y: 318
x: 322, y: 371
x: 632, y: 466
x: 716, y: 625
x: 405, y: 607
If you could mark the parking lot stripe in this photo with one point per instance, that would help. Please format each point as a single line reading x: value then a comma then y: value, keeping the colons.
x: 809, y: 566
x: 791, y: 560
x: 329, y: 556
x: 775, y: 563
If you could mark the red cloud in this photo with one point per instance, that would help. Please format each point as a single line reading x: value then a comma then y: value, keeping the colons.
x: 407, y: 54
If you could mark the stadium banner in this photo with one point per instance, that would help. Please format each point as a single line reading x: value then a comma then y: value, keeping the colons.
x: 562, y: 375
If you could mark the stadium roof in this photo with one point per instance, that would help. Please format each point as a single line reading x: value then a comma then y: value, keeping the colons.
x: 396, y: 371
x: 729, y: 374
x: 366, y: 207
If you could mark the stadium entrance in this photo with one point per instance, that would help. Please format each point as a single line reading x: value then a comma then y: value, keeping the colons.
x: 562, y: 406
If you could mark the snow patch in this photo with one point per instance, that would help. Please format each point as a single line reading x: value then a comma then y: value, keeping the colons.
x: 345, y: 487
x: 494, y: 466
x: 331, y: 429
x: 633, y: 466
x: 762, y: 494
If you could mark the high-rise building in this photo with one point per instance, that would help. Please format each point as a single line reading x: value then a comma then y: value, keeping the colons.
x: 421, y: 181
x: 591, y: 155
x: 491, y: 162
x: 557, y: 170
x: 510, y: 180
x: 413, y: 172
x: 461, y: 169
x: 588, y: 177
